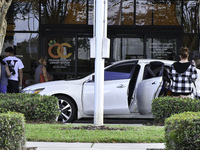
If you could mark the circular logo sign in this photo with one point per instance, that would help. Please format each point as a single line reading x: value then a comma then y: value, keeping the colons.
x: 60, y: 50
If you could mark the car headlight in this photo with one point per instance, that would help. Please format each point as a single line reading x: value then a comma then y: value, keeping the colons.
x: 32, y: 91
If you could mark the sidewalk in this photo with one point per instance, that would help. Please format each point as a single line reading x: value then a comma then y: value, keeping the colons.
x: 95, y: 146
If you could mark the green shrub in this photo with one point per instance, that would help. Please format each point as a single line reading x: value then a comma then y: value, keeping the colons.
x: 12, y: 132
x: 34, y: 106
x: 182, y: 131
x: 164, y: 107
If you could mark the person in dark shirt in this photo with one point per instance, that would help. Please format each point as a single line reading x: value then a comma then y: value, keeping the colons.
x: 182, y: 74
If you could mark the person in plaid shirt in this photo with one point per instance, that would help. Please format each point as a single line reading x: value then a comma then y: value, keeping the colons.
x: 182, y: 74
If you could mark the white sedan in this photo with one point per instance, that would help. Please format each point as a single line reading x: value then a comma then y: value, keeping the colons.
x: 129, y: 88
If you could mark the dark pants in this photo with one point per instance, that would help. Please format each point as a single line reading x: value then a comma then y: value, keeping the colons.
x: 13, y: 86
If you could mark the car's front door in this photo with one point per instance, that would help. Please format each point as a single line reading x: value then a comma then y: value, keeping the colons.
x: 116, y: 84
x: 150, y: 87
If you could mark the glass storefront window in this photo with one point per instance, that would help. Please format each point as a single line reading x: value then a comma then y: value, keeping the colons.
x: 23, y: 16
x: 158, y: 13
x: 26, y: 48
x: 158, y: 48
x: 122, y: 12
x: 61, y: 57
x: 127, y: 48
x: 119, y: 12
x: 167, y: 13
x: 128, y: 12
x: 144, y: 11
x: 191, y: 16
x: 192, y: 42
x: 114, y: 12
x: 85, y: 63
x: 90, y: 12
x: 64, y: 12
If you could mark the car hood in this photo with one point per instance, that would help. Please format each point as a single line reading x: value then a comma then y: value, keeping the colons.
x: 54, y: 84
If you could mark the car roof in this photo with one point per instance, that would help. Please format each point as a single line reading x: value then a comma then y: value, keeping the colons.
x: 145, y: 61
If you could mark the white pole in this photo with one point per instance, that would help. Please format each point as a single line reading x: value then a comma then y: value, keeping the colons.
x: 99, y: 63
x: 105, y: 17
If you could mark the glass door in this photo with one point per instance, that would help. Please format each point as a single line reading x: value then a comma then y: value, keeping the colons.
x: 68, y: 56
x: 61, y: 57
x: 142, y: 48
x: 127, y: 48
x: 161, y: 48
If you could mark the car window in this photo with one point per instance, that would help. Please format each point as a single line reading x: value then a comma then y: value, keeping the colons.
x: 119, y: 71
x: 153, y: 69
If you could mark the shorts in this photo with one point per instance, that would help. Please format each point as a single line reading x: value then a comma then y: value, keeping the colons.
x: 13, y: 86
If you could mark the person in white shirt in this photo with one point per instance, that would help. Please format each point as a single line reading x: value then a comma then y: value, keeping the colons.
x: 16, y: 68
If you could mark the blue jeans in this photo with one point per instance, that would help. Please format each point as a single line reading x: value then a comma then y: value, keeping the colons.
x: 3, y: 89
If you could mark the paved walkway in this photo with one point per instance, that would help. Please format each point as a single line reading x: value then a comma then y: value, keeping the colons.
x: 95, y: 146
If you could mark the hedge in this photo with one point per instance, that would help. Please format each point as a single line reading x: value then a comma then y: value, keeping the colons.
x: 182, y: 131
x: 34, y: 106
x: 12, y: 131
x: 164, y: 107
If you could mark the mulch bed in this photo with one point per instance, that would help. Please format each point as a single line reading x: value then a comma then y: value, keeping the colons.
x: 90, y: 127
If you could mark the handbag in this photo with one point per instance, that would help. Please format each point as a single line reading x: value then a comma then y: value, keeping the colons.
x: 41, y: 77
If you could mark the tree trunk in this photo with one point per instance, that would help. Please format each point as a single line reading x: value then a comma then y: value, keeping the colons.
x: 4, y: 5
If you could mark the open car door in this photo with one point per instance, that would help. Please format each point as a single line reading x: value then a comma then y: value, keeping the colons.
x: 150, y: 87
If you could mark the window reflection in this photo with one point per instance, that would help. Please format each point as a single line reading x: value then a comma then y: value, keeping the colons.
x: 144, y: 11
x: 114, y: 12
x: 64, y: 12
x: 192, y: 42
x: 165, y: 14
x: 23, y: 16
x: 127, y: 48
x: 190, y: 16
x: 128, y: 12
x: 158, y: 13
x: 85, y: 64
x: 90, y: 12
x: 122, y: 12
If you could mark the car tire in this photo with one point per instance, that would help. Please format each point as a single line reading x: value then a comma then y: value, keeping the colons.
x: 67, y: 109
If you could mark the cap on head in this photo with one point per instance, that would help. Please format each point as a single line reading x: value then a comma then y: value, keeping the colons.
x: 9, y: 50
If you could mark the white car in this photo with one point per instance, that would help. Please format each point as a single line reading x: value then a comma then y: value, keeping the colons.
x: 129, y: 88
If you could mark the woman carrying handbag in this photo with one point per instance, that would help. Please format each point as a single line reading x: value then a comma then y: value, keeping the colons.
x: 41, y: 74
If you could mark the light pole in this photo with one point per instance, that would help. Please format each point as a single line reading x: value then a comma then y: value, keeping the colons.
x: 99, y: 50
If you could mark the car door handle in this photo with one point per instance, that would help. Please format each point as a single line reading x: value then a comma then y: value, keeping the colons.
x: 153, y: 83
x: 120, y: 86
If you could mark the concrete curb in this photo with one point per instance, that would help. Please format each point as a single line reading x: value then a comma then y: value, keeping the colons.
x: 94, y: 146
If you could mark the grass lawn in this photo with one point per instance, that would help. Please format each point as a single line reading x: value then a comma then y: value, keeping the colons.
x: 116, y: 134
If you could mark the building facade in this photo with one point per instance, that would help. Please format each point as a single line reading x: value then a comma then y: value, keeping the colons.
x: 61, y: 30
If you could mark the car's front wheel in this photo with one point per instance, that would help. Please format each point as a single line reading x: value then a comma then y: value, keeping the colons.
x: 67, y: 109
